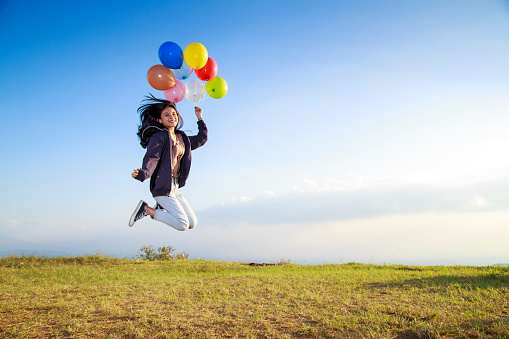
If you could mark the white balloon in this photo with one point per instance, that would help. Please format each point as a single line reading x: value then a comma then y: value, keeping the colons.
x: 195, y: 90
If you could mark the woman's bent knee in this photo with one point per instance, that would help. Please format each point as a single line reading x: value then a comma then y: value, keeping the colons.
x: 192, y: 224
x: 183, y: 225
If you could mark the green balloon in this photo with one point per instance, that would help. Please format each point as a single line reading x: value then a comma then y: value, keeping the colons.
x: 217, y: 87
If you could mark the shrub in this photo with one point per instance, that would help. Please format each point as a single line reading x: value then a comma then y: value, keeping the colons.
x: 160, y: 253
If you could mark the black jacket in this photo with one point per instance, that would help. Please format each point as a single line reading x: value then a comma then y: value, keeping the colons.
x: 157, y: 161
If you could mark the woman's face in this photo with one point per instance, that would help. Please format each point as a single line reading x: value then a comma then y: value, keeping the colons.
x: 169, y: 118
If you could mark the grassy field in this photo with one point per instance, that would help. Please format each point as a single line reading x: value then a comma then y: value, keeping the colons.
x: 101, y: 297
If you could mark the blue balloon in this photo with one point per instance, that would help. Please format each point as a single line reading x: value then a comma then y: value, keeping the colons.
x: 171, y: 54
x: 183, y: 72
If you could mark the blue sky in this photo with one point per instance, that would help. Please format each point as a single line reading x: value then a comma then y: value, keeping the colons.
x: 368, y: 131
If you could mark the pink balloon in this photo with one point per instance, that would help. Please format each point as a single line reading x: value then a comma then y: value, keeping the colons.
x: 177, y: 93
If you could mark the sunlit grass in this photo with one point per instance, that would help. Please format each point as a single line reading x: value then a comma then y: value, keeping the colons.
x: 105, y: 297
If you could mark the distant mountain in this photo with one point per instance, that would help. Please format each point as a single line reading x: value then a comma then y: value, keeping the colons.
x: 38, y: 253
x: 7, y: 243
x: 13, y: 246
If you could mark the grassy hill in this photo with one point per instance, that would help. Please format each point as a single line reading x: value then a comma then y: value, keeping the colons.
x: 101, y: 297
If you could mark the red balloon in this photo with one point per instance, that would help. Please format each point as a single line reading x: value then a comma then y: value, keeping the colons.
x: 207, y: 72
x: 160, y: 77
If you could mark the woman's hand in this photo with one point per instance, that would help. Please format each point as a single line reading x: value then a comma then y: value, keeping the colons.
x: 198, y: 111
x: 135, y: 172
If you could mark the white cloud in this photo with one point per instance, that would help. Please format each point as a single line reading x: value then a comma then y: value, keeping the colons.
x: 310, y: 183
x: 478, y: 202
x: 12, y: 223
x: 349, y: 182
x: 268, y: 194
x: 242, y: 199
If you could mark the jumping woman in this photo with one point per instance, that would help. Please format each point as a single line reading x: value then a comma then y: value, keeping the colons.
x: 167, y: 162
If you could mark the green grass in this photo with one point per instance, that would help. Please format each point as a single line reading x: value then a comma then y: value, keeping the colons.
x: 101, y: 297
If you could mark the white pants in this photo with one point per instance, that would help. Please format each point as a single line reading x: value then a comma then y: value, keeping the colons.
x: 177, y: 212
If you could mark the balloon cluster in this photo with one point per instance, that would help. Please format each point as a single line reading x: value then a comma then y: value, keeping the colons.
x: 177, y: 66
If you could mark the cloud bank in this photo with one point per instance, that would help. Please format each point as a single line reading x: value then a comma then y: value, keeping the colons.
x: 338, y: 200
x: 334, y: 221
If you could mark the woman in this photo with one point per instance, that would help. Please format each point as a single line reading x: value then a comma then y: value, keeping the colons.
x: 167, y: 162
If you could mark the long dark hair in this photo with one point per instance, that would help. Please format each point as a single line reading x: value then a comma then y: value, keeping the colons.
x: 150, y: 112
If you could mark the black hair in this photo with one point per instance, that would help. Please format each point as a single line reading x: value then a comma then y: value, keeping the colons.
x: 150, y: 112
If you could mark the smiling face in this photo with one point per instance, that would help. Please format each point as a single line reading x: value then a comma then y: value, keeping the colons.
x: 169, y: 118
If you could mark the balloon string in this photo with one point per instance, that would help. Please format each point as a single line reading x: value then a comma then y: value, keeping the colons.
x: 181, y: 92
x: 203, y: 100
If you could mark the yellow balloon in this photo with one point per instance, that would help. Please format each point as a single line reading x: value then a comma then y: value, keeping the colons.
x: 196, y: 55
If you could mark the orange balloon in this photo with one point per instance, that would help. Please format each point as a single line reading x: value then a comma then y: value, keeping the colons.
x: 160, y: 77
